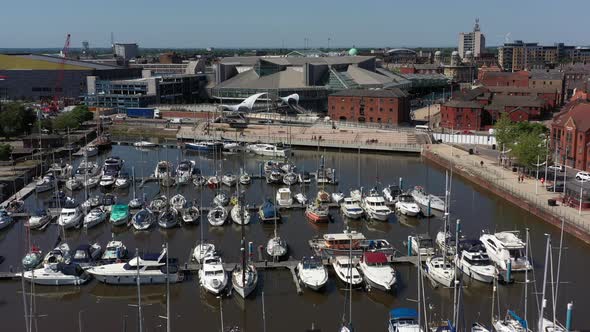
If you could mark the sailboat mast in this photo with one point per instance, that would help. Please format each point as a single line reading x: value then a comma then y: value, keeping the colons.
x: 543, y: 301
x: 25, y: 301
x: 139, y: 313
x: 526, y: 277
x: 243, y: 252
x: 168, y: 329
x: 350, y: 282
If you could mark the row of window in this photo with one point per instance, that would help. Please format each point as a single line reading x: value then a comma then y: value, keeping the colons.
x: 352, y: 108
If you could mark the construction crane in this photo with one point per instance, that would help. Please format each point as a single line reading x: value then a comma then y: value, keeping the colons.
x: 60, y: 76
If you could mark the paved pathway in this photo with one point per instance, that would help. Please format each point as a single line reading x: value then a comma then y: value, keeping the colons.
x: 532, y: 191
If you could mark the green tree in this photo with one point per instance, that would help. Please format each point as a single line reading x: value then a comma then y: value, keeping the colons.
x: 505, y: 130
x: 72, y: 119
x: 16, y: 119
x: 5, y: 150
x: 529, y: 147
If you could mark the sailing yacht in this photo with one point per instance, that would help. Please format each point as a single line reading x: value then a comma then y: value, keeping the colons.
x: 212, y: 275
x: 152, y: 270
x: 168, y: 218
x: 238, y: 217
x: 276, y: 247
x: 203, y: 250
x: 423, y: 243
x: 440, y: 270
x: 229, y: 179
x: 403, y: 320
x: 244, y: 281
x: 184, y: 171
x: 163, y: 168
x: 38, y: 220
x: 45, y: 184
x: 73, y: 184
x: 217, y: 216
x: 143, y: 220
x: 178, y: 202
x: 95, y: 217
x: 191, y: 215
x: 312, y: 273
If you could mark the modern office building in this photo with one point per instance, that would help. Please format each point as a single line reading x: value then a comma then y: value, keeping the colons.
x: 145, y: 91
x: 312, y: 78
x: 40, y: 77
x: 520, y: 55
x: 474, y: 42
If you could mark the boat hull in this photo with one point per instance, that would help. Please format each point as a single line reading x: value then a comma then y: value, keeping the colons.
x: 130, y: 279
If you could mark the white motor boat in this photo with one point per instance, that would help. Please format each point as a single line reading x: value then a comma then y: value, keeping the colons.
x: 184, y: 171
x: 237, y: 217
x: 376, y: 271
x: 178, y: 202
x: 403, y: 320
x: 229, y: 179
x: 374, y: 206
x: 390, y: 193
x: 351, y: 209
x: 337, y: 197
x: 284, y: 197
x: 268, y: 150
x: 168, y: 218
x: 45, y: 184
x: 290, y: 178
x: 217, y: 216
x: 73, y: 184
x: 474, y: 262
x: 90, y: 203
x: 87, y: 169
x: 506, y: 246
x: 406, y: 205
x: 113, y: 252
x: 143, y: 220
x: 347, y: 271
x: 221, y: 199
x: 61, y: 170
x: 212, y: 275
x: 159, y: 204
x: 144, y: 144
x: 90, y: 151
x: 276, y: 247
x: 163, y: 169
x: 94, y: 217
x: 301, y: 198
x: 244, y: 281
x: 122, y: 181
x: 312, y: 273
x: 151, y: 269
x: 446, y: 242
x: 356, y: 195
x: 60, y: 274
x: 203, y: 250
x: 70, y: 217
x: 107, y: 181
x: 39, y: 220
x: 232, y: 147
x: 245, y: 179
x: 422, y: 243
x: 440, y: 270
x: 90, y: 182
x: 60, y: 254
x: 425, y: 199
x: 191, y: 215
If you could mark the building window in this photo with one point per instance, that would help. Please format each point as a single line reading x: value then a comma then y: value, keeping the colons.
x: 380, y: 109
x: 391, y: 109
x: 370, y: 119
x: 333, y: 107
x: 342, y: 108
x: 370, y: 108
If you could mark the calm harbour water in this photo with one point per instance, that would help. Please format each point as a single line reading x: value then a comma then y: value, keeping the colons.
x: 102, y: 307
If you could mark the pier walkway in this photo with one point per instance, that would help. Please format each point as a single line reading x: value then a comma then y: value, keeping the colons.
x: 529, y: 195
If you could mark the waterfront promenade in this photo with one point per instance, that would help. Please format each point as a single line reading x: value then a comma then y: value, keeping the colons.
x: 315, y: 136
x: 530, y: 195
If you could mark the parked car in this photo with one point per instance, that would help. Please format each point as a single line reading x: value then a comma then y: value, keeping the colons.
x: 558, y: 168
x: 583, y: 176
x: 558, y: 187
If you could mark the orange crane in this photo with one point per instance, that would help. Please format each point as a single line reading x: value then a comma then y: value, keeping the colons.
x: 60, y: 76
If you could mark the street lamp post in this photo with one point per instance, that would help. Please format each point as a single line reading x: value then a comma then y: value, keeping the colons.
x: 581, y: 193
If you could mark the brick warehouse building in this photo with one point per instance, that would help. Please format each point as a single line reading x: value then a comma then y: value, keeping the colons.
x: 570, y: 133
x: 387, y: 106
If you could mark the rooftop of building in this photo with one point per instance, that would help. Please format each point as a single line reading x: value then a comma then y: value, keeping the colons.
x: 546, y: 75
x: 294, y: 60
x: 470, y: 94
x: 28, y: 61
x: 462, y: 104
x: 374, y: 93
x: 524, y: 89
x: 504, y: 74
x: 578, y: 112
x: 499, y: 102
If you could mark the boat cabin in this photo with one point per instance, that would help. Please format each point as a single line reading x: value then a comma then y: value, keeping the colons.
x: 375, y: 259
x: 350, y: 240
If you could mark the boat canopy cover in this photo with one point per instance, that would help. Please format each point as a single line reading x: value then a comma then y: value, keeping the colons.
x: 70, y: 269
x: 403, y: 313
x: 374, y: 257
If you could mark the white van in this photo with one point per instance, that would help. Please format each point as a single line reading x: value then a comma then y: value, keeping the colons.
x: 176, y: 121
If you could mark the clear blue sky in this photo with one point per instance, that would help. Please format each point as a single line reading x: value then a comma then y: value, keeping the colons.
x: 266, y: 23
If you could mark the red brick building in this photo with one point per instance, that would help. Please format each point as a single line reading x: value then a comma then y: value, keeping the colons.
x: 461, y: 115
x: 387, y: 106
x: 424, y: 68
x: 491, y: 78
x: 570, y: 135
x: 551, y: 95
